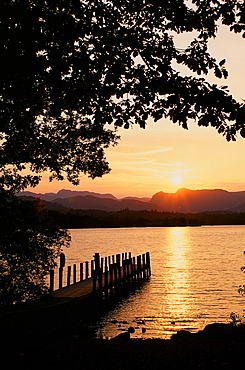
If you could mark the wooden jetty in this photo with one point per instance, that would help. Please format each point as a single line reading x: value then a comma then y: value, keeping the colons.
x: 83, y: 291
x: 102, y: 277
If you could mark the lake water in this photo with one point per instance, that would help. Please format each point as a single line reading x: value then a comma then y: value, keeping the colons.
x: 195, y: 276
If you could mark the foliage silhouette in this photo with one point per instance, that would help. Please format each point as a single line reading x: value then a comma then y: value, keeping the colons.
x: 29, y: 244
x: 72, y: 69
x: 127, y: 218
x: 72, y: 72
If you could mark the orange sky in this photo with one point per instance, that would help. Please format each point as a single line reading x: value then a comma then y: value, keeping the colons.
x: 145, y: 161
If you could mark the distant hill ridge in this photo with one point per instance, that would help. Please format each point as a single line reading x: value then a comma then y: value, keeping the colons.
x: 194, y: 201
x: 63, y: 194
x: 183, y: 201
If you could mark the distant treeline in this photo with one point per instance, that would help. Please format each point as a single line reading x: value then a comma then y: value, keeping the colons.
x: 75, y: 219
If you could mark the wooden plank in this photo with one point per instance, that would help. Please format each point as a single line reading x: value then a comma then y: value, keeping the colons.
x: 81, y: 289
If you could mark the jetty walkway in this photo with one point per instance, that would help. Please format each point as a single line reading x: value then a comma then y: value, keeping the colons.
x: 103, y: 276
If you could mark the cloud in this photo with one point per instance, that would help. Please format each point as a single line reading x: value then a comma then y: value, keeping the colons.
x: 164, y: 172
x: 149, y: 152
x: 129, y: 152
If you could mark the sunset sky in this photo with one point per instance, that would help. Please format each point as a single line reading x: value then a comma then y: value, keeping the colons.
x: 165, y: 157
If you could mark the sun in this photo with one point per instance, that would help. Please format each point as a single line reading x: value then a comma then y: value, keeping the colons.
x: 177, y: 180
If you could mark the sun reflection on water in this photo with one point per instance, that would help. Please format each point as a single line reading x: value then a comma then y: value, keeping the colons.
x: 177, y: 274
x: 195, y: 275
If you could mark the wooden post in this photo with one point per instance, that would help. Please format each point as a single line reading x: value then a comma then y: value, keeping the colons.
x: 128, y: 277
x: 148, y: 262
x: 138, y: 268
x: 60, y: 277
x: 92, y: 266
x: 141, y: 268
x: 100, y: 281
x: 100, y: 276
x: 51, y: 277
x: 86, y: 269
x: 102, y: 264
x: 74, y: 273
x: 94, y: 275
x: 133, y: 270
x: 62, y: 260
x: 130, y: 265
x: 118, y: 259
x: 124, y: 272
x: 111, y: 278
x: 115, y: 275
x: 97, y: 261
x: 106, y: 278
x: 81, y: 271
x: 144, y: 267
x: 68, y: 275
x: 130, y: 269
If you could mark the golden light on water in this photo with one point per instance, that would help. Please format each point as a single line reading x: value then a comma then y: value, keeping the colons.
x: 195, y: 276
x: 177, y: 279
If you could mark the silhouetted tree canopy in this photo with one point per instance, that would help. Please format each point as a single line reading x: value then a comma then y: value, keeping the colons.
x: 29, y: 244
x: 72, y: 71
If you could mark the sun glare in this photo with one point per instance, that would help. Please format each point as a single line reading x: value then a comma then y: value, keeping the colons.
x: 177, y: 180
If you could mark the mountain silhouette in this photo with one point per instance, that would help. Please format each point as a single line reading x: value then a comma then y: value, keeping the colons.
x: 183, y: 201
x: 63, y: 194
x: 194, y: 201
x: 103, y: 204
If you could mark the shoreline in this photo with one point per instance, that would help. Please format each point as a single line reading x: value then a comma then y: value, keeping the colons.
x: 210, y: 350
x: 54, y: 340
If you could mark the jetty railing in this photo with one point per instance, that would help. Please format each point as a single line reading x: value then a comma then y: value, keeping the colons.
x: 63, y: 277
x: 120, y: 272
x: 108, y: 274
